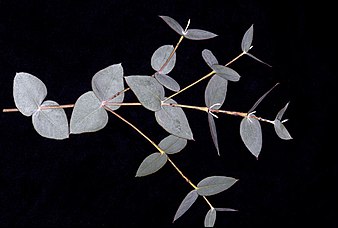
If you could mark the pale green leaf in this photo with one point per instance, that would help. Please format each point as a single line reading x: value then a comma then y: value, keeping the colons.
x: 160, y: 57
x: 88, y: 114
x: 187, y: 202
x: 172, y: 144
x: 52, y: 122
x: 148, y: 91
x: 151, y: 164
x: 174, y: 121
x: 210, y: 218
x: 28, y: 93
x: 214, y: 184
x: 251, y: 134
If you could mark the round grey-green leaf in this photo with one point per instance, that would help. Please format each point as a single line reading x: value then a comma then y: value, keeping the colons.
x: 151, y: 164
x: 251, y: 134
x: 198, y: 34
x: 28, y: 93
x: 247, y: 39
x: 216, y: 91
x: 52, y: 122
x: 172, y: 144
x: 167, y: 82
x: 159, y: 58
x: 108, y: 82
x: 210, y: 218
x: 186, y: 203
x: 173, y: 24
x: 281, y: 130
x: 226, y: 72
x: 214, y: 184
x: 209, y: 57
x: 174, y: 121
x: 88, y: 114
x: 147, y: 90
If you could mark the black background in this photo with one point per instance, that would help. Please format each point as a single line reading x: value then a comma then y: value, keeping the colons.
x: 88, y: 180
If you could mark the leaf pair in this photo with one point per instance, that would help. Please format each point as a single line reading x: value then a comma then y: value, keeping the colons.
x: 155, y: 161
x: 216, y: 90
x: 89, y: 114
x: 29, y: 93
x: 250, y: 128
x: 208, y: 186
x: 163, y: 61
x: 246, y: 44
x: 151, y: 93
x: 192, y: 34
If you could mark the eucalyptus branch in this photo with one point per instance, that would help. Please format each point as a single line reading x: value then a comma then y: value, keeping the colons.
x: 91, y: 109
x: 159, y: 150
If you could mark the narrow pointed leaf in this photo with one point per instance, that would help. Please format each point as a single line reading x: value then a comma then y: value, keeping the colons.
x: 247, y: 39
x: 257, y: 59
x: 88, y: 114
x: 28, y: 93
x: 281, y: 130
x: 198, y: 34
x: 159, y: 58
x: 172, y: 144
x: 209, y: 58
x: 51, y: 123
x: 210, y: 218
x: 213, y: 131
x: 226, y: 73
x: 148, y: 91
x: 261, y: 98
x: 151, y: 164
x: 187, y: 202
x: 281, y: 112
x: 167, y: 82
x: 173, y: 24
x: 174, y: 121
x: 214, y: 185
x: 108, y: 82
x: 225, y: 209
x: 251, y: 134
x: 216, y: 91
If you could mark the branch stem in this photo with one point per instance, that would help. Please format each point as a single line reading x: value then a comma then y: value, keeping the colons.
x: 204, y: 77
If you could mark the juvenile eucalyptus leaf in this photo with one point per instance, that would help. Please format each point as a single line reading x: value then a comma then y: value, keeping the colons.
x: 108, y: 82
x: 213, y: 131
x: 214, y: 184
x: 257, y: 59
x: 151, y: 164
x: 173, y: 24
x: 28, y: 93
x: 281, y: 112
x: 174, y: 121
x: 172, y: 144
x: 51, y: 123
x: 167, y: 82
x: 215, y: 92
x: 261, y: 98
x: 159, y: 58
x: 210, y: 218
x: 187, y: 202
x: 224, y: 209
x: 198, y: 34
x: 209, y: 58
x: 251, y: 134
x: 226, y: 72
x: 88, y: 114
x: 148, y: 91
x: 281, y: 130
x: 247, y: 39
